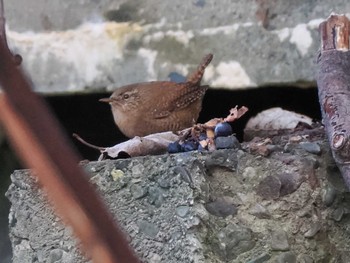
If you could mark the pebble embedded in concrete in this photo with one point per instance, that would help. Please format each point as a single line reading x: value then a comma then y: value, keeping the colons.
x: 311, y: 147
x: 269, y: 187
x: 221, y: 208
x: 138, y: 191
x: 260, y: 211
x: 234, y: 240
x: 182, y: 210
x: 314, y: 228
x: 329, y: 195
x: 287, y: 257
x: 260, y: 259
x: 228, y: 142
x: 279, y: 240
x: 148, y: 228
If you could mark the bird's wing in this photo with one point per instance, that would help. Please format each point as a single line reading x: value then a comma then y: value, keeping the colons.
x: 177, y: 99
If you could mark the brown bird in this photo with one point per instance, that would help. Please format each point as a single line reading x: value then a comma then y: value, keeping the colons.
x: 145, y: 108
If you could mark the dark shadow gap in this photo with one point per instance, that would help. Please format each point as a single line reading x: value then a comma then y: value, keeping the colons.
x: 91, y: 119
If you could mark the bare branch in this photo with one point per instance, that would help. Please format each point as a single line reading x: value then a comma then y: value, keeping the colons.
x: 333, y: 81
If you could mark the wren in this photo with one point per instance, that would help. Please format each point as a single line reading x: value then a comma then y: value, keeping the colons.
x: 145, y: 108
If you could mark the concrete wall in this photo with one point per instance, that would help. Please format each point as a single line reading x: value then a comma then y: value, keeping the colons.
x: 87, y: 45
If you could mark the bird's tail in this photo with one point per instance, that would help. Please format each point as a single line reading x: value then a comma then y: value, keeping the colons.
x: 196, y: 76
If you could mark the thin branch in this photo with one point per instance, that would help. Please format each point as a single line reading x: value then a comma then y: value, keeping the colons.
x: 40, y: 142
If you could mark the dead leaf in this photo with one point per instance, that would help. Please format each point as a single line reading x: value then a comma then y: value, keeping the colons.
x: 153, y: 144
x: 236, y: 113
x: 138, y: 146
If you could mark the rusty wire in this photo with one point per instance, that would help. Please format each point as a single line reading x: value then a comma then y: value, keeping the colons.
x: 39, y: 141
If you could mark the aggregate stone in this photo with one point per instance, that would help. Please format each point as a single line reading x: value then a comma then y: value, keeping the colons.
x: 221, y: 208
x: 338, y: 214
x: 269, y: 188
x: 155, y: 258
x: 279, y: 240
x: 182, y: 210
x: 201, y: 212
x: 184, y: 173
x: 260, y: 211
x: 164, y: 183
x: 228, y: 142
x: 260, y: 259
x: 55, y: 255
x: 314, y: 228
x: 235, y: 240
x: 334, y: 178
x: 289, y: 183
x: 287, y: 257
x: 137, y: 170
x: 305, y: 259
x: 117, y: 174
x: 148, y: 228
x: 329, y: 195
x: 217, y: 158
x: 311, y: 162
x: 273, y: 148
x: 289, y: 147
x: 249, y: 172
x: 156, y: 196
x: 138, y: 191
x: 193, y: 222
x: 311, y: 147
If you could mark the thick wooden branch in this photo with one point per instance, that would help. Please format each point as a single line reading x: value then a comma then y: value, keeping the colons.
x: 333, y: 79
x: 335, y: 33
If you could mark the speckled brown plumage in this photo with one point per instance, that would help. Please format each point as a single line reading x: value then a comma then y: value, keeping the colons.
x: 145, y: 108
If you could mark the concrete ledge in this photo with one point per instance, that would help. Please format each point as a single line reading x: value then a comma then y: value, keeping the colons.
x: 71, y: 47
x: 225, y: 206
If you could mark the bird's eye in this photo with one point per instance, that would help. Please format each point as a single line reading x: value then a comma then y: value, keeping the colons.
x: 126, y: 96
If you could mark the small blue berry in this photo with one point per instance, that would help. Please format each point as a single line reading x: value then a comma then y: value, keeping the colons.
x: 174, y: 147
x: 188, y: 146
x: 223, y: 129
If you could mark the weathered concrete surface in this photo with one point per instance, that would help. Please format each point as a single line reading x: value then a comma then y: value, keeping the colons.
x: 75, y: 46
x: 286, y: 205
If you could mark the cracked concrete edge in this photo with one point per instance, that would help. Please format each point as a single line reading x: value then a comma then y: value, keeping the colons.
x: 98, y: 55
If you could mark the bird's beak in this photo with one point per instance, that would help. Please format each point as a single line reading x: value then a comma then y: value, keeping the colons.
x: 106, y: 100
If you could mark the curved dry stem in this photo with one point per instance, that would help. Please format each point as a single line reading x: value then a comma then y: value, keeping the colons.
x: 76, y: 136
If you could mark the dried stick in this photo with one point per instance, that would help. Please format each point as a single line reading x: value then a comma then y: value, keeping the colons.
x: 333, y: 79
